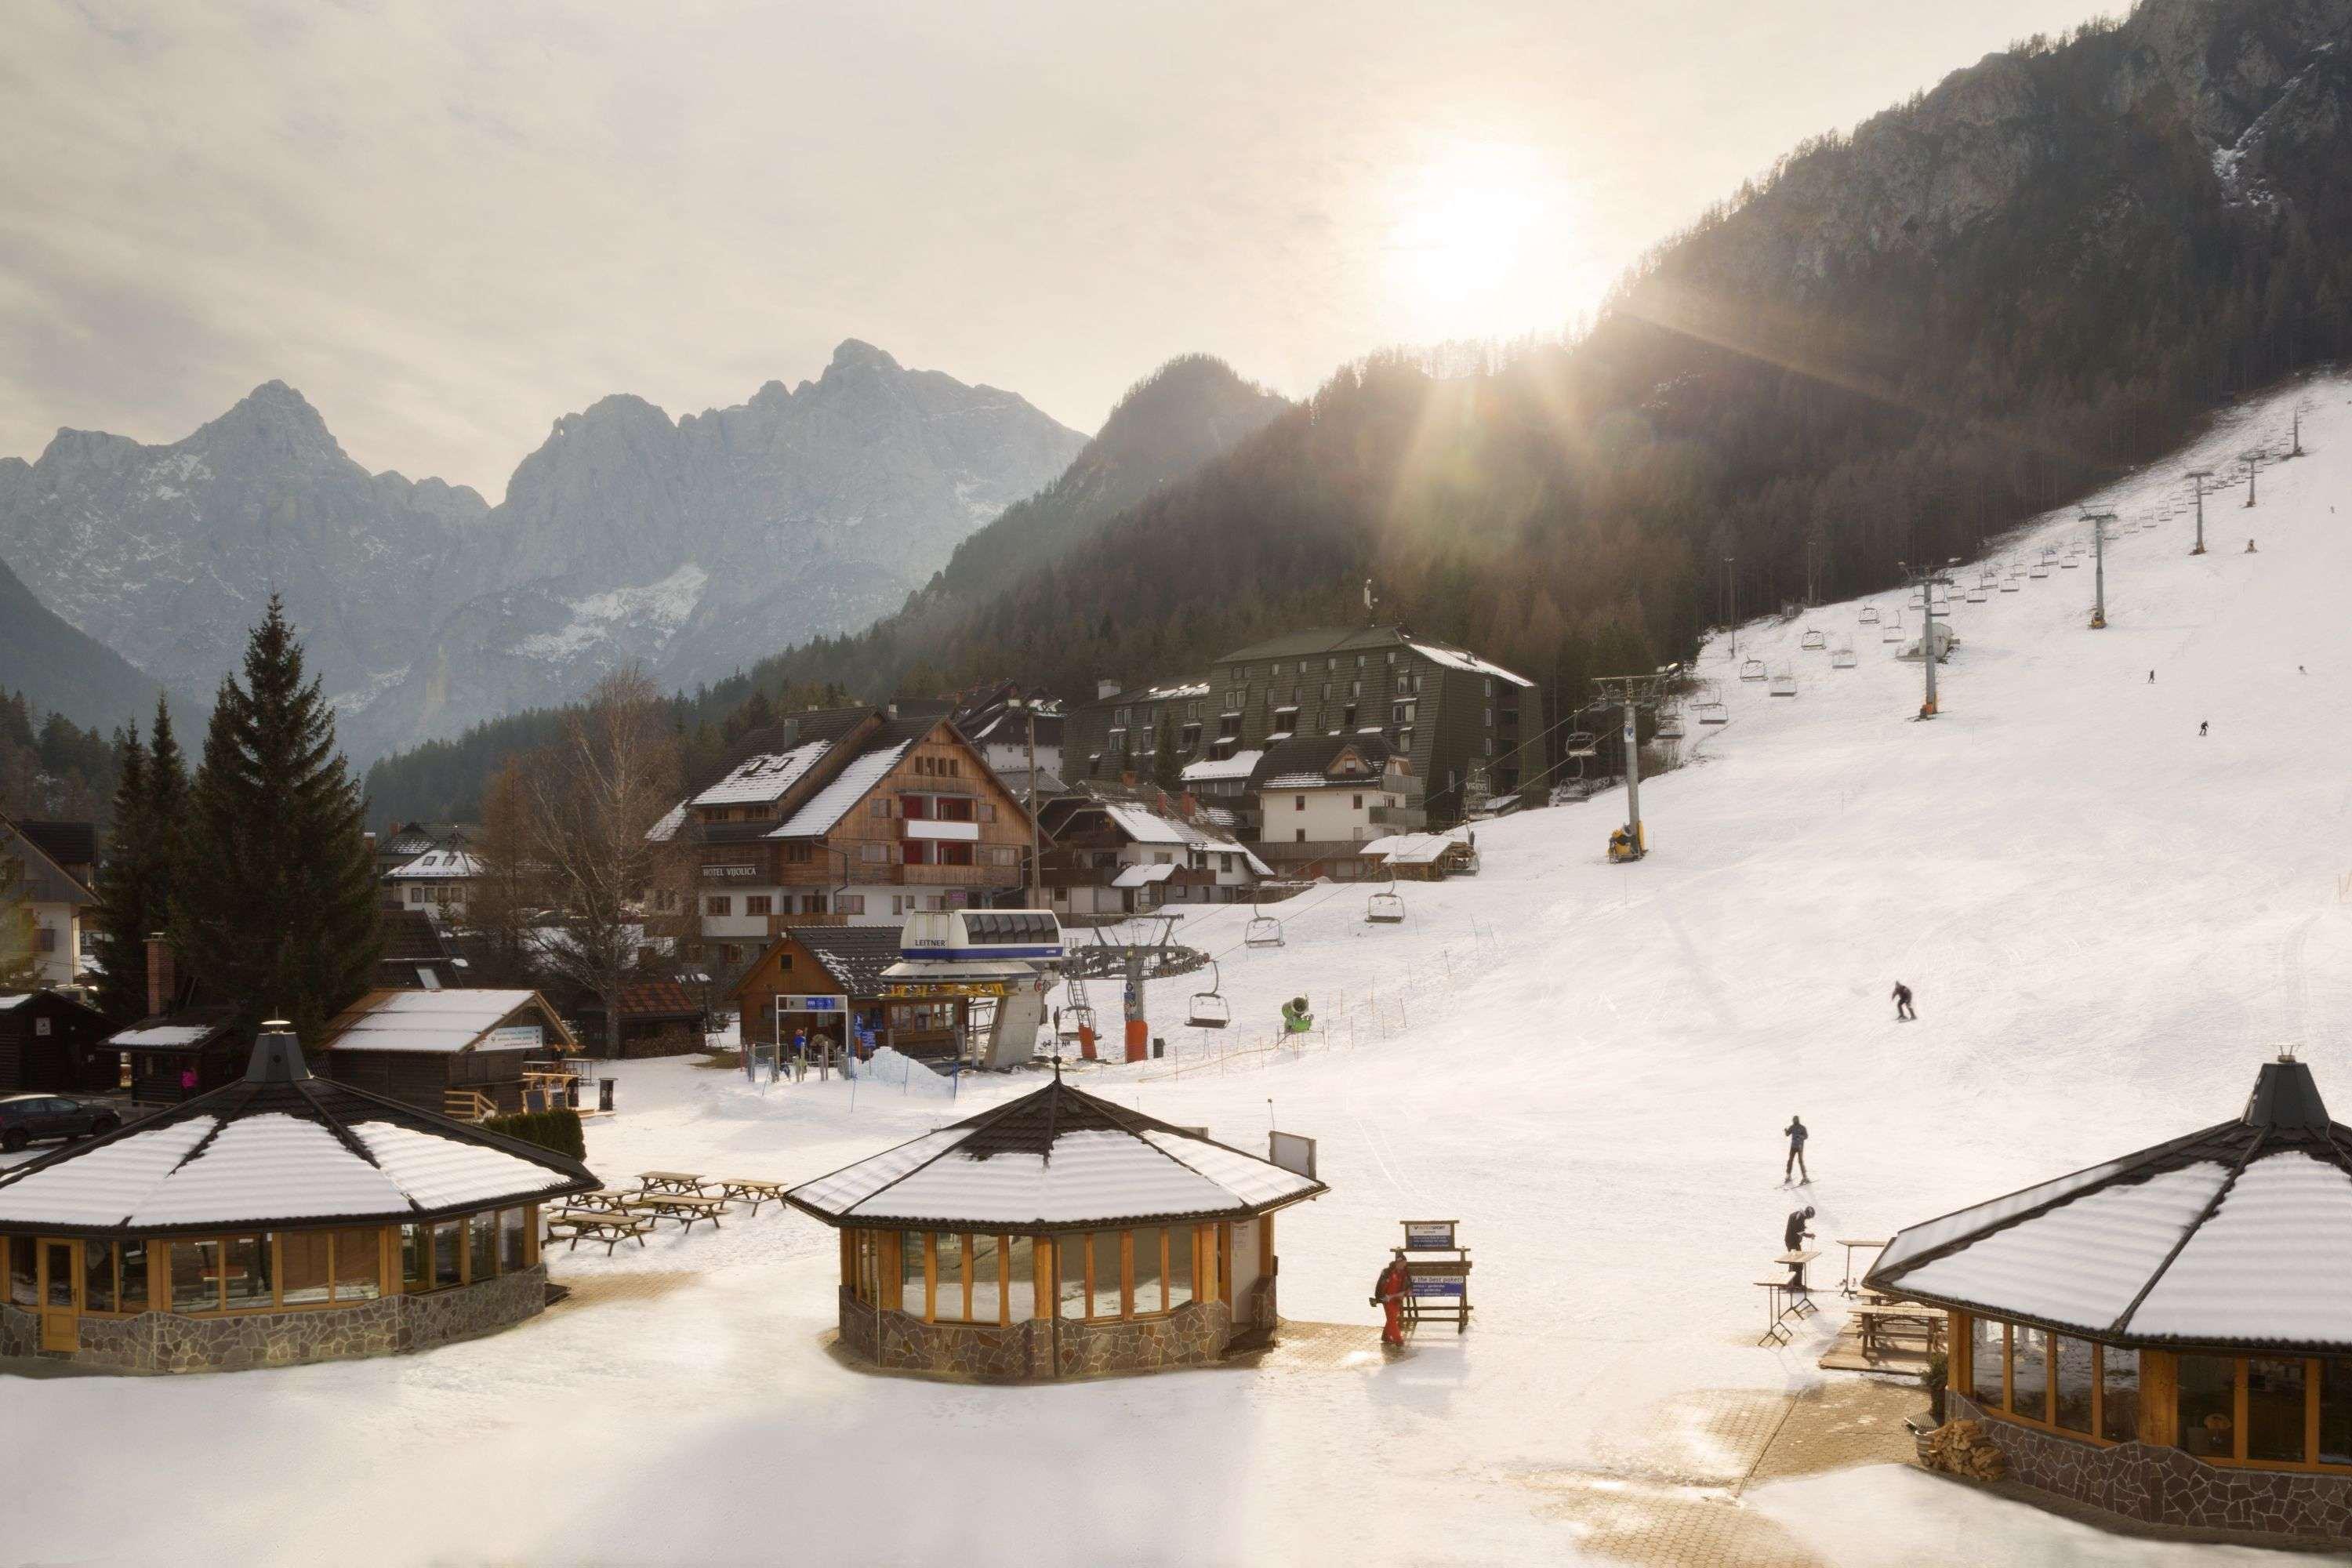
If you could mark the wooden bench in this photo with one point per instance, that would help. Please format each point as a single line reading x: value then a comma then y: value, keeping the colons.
x: 686, y: 1210
x: 653, y: 1182
x: 609, y: 1228
x: 746, y: 1190
x: 1872, y: 1318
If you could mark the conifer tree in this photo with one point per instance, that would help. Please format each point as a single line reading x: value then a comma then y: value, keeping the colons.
x: 134, y: 885
x: 125, y: 918
x: 274, y: 901
x: 1167, y: 763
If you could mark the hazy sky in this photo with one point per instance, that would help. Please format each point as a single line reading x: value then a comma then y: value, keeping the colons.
x: 448, y: 224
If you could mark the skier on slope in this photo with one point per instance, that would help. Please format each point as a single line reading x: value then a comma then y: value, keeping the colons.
x: 1902, y: 995
x: 1796, y: 1133
x: 1387, y: 1294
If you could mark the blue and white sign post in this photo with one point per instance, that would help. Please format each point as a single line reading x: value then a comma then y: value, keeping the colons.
x: 1439, y: 1286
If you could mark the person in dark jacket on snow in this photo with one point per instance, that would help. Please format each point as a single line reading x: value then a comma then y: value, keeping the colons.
x: 1903, y: 1001
x: 1794, y: 1236
x: 1796, y: 1133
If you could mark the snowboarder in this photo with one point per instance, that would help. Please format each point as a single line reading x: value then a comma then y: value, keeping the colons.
x: 1388, y: 1295
x: 2151, y: 677
x: 1796, y: 1133
x: 2250, y: 547
x: 2201, y: 724
x: 1794, y: 1236
x: 1903, y: 1001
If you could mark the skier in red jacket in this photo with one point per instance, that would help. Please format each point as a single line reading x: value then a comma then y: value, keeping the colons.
x: 1389, y: 1293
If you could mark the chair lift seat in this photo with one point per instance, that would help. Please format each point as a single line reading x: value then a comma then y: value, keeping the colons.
x: 1263, y: 930
x: 1814, y: 639
x: 1384, y: 909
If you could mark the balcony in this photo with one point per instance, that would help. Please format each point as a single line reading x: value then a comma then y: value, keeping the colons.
x: 960, y: 875
x: 945, y: 831
x: 1398, y: 816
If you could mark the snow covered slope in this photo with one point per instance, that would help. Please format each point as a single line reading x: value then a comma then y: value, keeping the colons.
x: 2109, y: 923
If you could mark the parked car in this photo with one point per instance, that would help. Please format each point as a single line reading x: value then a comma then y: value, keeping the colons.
x: 25, y: 1117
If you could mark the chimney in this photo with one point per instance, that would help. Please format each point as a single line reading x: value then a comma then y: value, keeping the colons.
x: 276, y: 1056
x: 159, y: 989
x: 1105, y: 690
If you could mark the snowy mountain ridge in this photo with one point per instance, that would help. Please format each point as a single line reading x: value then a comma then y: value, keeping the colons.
x: 691, y: 546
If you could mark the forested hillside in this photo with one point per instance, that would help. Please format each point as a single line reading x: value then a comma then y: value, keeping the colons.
x: 1898, y: 343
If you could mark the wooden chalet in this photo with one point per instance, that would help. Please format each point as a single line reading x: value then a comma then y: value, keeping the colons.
x: 846, y: 815
x: 49, y: 1041
x: 167, y: 1057
x: 1056, y: 1236
x: 463, y: 1053
x: 1114, y: 856
x: 54, y: 866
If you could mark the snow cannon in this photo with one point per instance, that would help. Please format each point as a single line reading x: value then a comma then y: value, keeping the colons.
x: 1629, y: 843
x: 1296, y: 1018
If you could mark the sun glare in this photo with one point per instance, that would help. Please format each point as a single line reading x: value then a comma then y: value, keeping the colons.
x: 1465, y: 248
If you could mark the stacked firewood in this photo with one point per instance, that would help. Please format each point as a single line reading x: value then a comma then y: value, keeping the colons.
x: 1963, y: 1449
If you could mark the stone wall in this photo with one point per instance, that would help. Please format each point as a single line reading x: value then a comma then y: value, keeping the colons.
x: 166, y: 1342
x: 2166, y: 1486
x: 1030, y: 1352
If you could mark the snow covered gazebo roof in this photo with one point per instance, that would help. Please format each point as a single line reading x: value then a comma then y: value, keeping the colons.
x: 1057, y: 1159
x: 281, y: 1148
x: 2239, y: 1234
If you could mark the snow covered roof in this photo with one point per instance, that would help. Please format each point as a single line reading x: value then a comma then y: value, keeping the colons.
x: 439, y: 863
x: 1140, y: 876
x: 1240, y: 765
x: 447, y: 1020
x: 1413, y: 848
x: 1460, y: 658
x: 2237, y: 1234
x: 1143, y: 827
x: 665, y: 830
x: 278, y: 1147
x: 166, y: 1037
x: 1059, y: 1157
x: 829, y: 806
x: 763, y: 777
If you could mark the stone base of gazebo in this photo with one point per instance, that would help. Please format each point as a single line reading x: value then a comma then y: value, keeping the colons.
x: 236, y: 1342
x: 1040, y: 1351
x: 2164, y: 1486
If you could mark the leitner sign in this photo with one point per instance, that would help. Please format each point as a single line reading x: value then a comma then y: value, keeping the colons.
x: 812, y: 1004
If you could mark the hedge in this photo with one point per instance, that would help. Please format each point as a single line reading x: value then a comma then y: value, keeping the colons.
x: 557, y: 1130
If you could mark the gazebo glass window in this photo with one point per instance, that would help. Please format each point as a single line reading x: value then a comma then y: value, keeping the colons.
x: 448, y: 1255
x: 984, y: 1257
x: 2207, y: 1398
x: 358, y: 1264
x: 948, y: 1277
x: 2029, y: 1372
x: 196, y: 1275
x: 308, y: 1257
x: 98, y: 1284
x: 2119, y: 1395
x: 482, y: 1243
x: 2336, y: 1412
x: 1019, y: 1267
x: 2274, y: 1400
x: 2074, y: 1363
x: 1108, y: 1298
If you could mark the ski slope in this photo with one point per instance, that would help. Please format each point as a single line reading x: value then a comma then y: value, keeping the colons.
x: 2108, y: 922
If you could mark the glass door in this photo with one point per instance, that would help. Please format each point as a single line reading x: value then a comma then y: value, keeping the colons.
x: 60, y: 1288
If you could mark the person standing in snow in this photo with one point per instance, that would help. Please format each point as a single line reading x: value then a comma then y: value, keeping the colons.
x: 2151, y: 677
x: 1796, y: 1133
x: 1903, y: 1001
x: 2201, y: 724
x: 1794, y: 1236
x: 1388, y: 1295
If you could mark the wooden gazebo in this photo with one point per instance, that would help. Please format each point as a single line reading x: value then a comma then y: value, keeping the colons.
x: 1056, y: 1236
x: 2167, y: 1335
x: 283, y: 1218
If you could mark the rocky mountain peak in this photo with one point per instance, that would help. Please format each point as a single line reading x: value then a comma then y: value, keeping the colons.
x: 272, y: 420
x: 853, y: 353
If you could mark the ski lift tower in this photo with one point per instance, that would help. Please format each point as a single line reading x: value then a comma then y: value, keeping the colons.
x: 2197, y: 477
x: 2098, y: 521
x: 1927, y: 581
x: 1137, y: 961
x: 1632, y: 693
x: 2252, y: 456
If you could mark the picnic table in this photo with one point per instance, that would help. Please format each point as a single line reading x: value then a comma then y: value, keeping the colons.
x: 687, y: 1208
x: 609, y: 1199
x: 597, y: 1225
x: 678, y: 1181
x: 1799, y: 1291
x: 1849, y: 1286
x: 746, y: 1190
x: 1776, y: 1331
x: 1874, y: 1318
